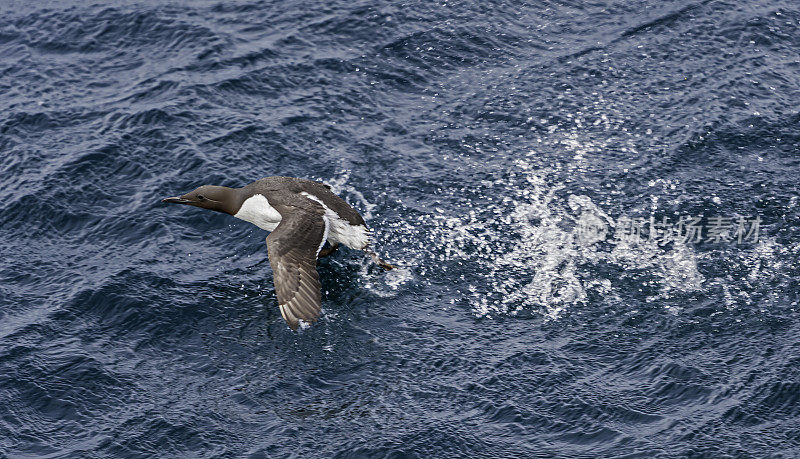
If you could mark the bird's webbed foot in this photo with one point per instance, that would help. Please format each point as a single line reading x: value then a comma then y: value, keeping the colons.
x: 329, y: 249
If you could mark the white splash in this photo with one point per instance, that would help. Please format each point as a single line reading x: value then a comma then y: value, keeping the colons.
x: 518, y: 243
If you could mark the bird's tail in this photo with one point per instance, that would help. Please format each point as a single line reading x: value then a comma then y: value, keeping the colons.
x: 379, y: 261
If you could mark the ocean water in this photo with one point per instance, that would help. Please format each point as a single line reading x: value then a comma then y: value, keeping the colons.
x: 510, y: 158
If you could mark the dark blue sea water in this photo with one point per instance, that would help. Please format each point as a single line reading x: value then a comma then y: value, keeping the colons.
x: 509, y: 157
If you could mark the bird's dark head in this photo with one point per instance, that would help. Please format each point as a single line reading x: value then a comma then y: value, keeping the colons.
x: 218, y: 198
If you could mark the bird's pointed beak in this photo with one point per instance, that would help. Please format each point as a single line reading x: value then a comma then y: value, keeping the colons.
x: 176, y: 200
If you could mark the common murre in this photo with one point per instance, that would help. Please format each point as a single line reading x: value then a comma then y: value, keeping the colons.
x: 301, y: 215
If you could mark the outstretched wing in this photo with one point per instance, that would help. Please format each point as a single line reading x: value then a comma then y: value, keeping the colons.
x: 293, y: 247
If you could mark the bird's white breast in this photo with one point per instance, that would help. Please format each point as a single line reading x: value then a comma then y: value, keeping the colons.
x: 257, y: 210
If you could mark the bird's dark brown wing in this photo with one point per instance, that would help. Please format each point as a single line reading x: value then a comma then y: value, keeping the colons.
x: 293, y: 248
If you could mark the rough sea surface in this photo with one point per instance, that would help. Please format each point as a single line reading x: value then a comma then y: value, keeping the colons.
x: 480, y: 140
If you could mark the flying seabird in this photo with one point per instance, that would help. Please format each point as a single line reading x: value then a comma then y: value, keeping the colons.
x: 301, y: 216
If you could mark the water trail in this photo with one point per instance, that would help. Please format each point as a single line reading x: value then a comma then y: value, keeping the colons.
x: 530, y: 250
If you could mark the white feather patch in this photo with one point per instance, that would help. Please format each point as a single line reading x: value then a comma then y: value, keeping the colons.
x: 341, y: 231
x: 325, y: 234
x: 257, y: 210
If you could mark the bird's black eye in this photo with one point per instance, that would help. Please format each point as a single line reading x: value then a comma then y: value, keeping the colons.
x: 200, y: 197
